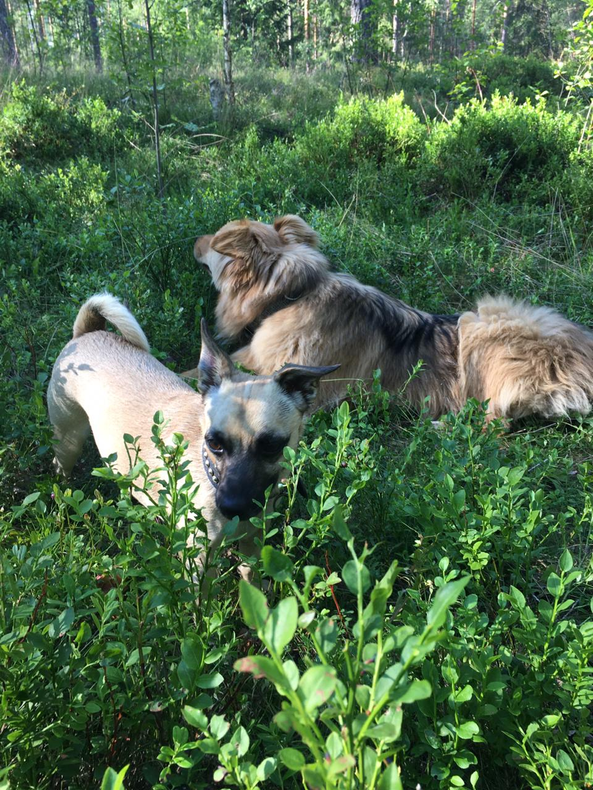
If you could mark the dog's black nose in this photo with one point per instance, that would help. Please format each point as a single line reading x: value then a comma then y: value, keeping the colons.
x: 231, y: 505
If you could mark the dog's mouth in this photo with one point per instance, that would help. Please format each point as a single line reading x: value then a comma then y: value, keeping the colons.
x: 244, y: 510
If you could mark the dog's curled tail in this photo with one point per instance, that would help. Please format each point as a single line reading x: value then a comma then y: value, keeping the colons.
x: 100, y: 308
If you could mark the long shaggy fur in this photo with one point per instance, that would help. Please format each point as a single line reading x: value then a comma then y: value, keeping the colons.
x: 276, y: 286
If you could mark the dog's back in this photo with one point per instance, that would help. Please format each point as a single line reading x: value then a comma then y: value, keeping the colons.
x: 100, y: 381
x: 367, y: 330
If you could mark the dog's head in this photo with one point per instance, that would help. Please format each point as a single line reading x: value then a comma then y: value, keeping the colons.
x: 255, y: 245
x: 248, y: 421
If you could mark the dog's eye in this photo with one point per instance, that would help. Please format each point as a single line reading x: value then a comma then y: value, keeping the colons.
x: 214, y: 446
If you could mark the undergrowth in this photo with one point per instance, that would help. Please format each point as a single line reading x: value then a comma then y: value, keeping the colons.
x: 427, y: 614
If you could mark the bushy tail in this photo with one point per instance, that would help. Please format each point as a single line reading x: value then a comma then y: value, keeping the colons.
x: 105, y: 307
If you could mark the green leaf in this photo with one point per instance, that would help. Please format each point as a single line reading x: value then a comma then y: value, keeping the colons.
x: 340, y: 527
x: 208, y: 746
x: 192, y: 652
x: 195, y: 717
x: 60, y: 625
x: 187, y: 676
x: 211, y: 681
x: 554, y: 585
x: 219, y: 727
x: 459, y: 500
x: 351, y: 577
x: 263, y: 667
x: 467, y: 730
x: 113, y: 780
x: 292, y: 673
x: 341, y: 764
x: 418, y: 689
x: 266, y: 768
x: 463, y: 695
x: 517, y: 597
x: 564, y: 761
x: 313, y: 778
x: 387, y: 679
x: 281, y: 625
x: 551, y: 720
x: 276, y: 564
x: 327, y: 635
x: 316, y: 686
x: 443, y: 600
x: 381, y: 592
x: 240, y: 741
x: 334, y: 745
x: 291, y: 758
x: 254, y: 606
x: 566, y: 562
x: 390, y: 779
x: 180, y: 736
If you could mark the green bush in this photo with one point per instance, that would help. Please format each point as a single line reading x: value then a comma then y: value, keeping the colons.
x: 107, y: 658
x: 504, y: 149
x: 43, y: 127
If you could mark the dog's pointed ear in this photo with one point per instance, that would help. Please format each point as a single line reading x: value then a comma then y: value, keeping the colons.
x: 294, y: 230
x: 242, y: 237
x: 214, y: 365
x: 300, y: 382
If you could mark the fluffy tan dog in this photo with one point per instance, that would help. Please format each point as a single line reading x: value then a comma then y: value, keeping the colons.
x: 277, y: 291
x: 237, y: 425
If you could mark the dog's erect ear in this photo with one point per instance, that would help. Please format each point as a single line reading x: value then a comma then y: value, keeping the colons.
x: 214, y: 365
x: 301, y: 381
x: 241, y: 238
x: 294, y: 230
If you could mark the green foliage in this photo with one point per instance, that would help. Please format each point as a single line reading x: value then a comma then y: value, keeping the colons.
x: 502, y: 149
x: 466, y: 664
x: 41, y: 127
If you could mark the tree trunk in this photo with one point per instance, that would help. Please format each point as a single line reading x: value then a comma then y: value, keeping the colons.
x: 360, y: 16
x: 39, y: 18
x: 95, y: 42
x: 472, y: 44
x: 505, y: 25
x: 395, y: 26
x: 9, y: 50
x: 155, y: 101
x: 228, y: 55
x: 431, y: 36
x: 124, y: 56
x: 289, y: 34
x: 36, y: 46
x: 306, y: 27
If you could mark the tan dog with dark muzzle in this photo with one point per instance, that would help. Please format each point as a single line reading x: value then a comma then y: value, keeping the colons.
x: 236, y: 425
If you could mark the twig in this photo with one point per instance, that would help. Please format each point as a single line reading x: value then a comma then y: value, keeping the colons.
x: 331, y: 587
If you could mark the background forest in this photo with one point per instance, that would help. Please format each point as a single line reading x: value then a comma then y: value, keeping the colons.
x: 427, y: 621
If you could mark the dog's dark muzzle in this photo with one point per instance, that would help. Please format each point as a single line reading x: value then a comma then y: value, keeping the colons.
x: 241, y: 487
